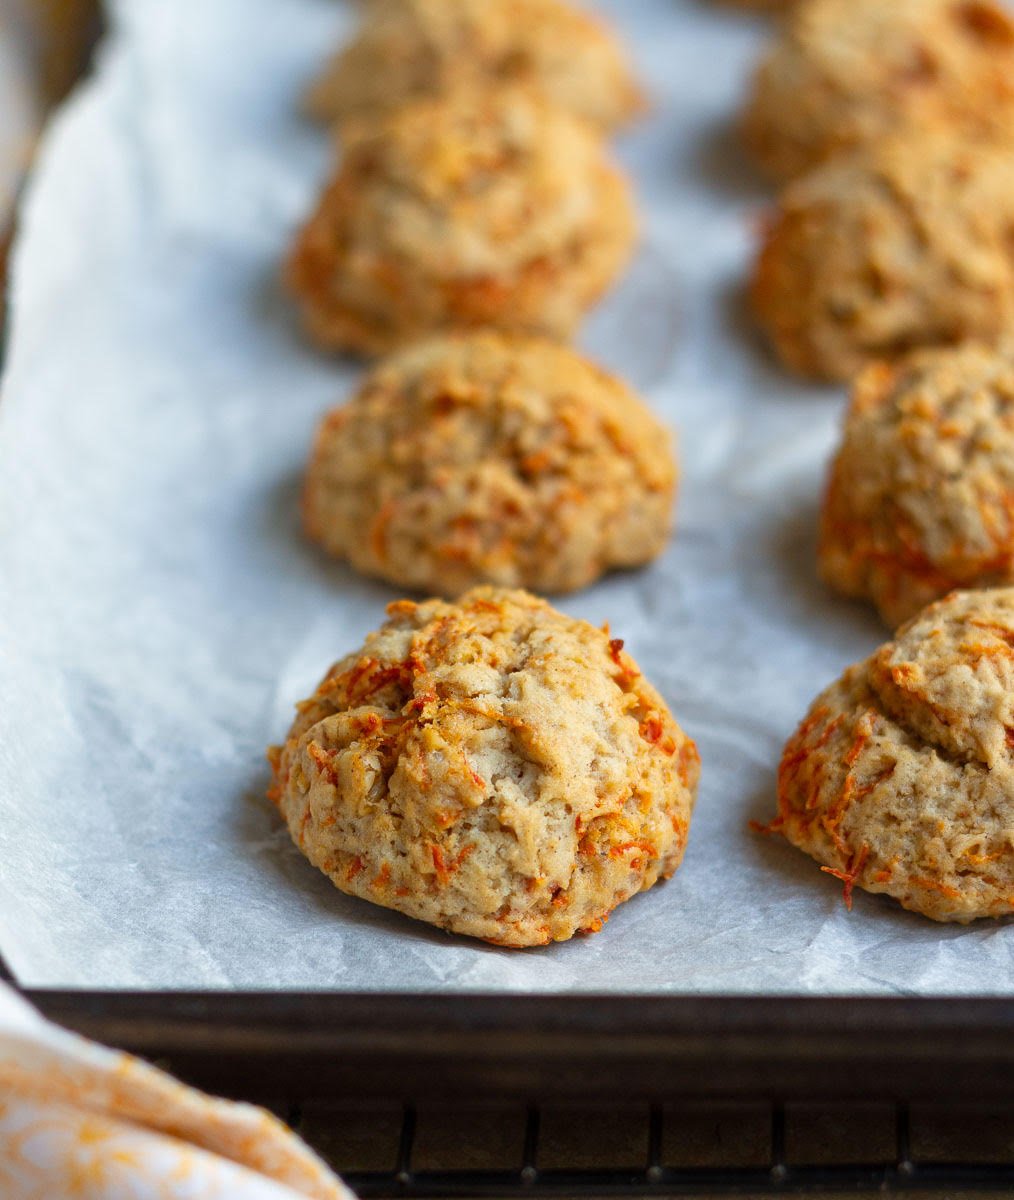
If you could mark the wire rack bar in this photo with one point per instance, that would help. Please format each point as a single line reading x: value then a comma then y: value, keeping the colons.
x: 780, y: 1177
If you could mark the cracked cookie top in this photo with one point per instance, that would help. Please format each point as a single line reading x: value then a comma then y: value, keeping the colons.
x: 490, y: 458
x: 948, y: 677
x: 843, y: 73
x: 476, y: 208
x: 920, y: 499
x: 901, y: 778
x: 491, y: 766
x: 407, y: 49
x: 903, y: 244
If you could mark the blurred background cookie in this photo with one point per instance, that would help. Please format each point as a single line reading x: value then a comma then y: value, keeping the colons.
x: 903, y: 244
x: 900, y: 780
x: 843, y: 72
x: 477, y: 208
x: 921, y: 493
x: 492, y: 767
x: 407, y: 49
x: 491, y: 458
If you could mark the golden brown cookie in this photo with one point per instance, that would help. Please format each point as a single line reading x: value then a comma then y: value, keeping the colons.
x: 492, y: 767
x: 921, y: 494
x: 901, y: 778
x: 491, y: 458
x: 409, y: 49
x: 904, y: 244
x: 845, y: 72
x: 489, y: 208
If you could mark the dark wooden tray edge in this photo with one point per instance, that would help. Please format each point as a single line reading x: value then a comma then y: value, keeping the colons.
x: 579, y: 1047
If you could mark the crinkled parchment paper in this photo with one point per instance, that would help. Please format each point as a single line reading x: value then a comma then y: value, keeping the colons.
x: 160, y: 613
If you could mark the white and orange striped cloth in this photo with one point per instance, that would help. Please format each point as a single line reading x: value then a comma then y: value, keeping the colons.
x: 81, y: 1122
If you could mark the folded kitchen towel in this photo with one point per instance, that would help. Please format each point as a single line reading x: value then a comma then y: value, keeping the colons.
x: 82, y: 1122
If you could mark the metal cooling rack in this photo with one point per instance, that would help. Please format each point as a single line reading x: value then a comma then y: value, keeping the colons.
x: 780, y: 1168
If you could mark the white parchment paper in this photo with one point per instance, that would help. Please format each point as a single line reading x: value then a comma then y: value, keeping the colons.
x: 160, y: 613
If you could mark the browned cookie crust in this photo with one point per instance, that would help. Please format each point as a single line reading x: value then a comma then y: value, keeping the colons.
x: 491, y: 458
x: 901, y: 778
x: 410, y: 49
x: 483, y: 208
x: 908, y: 243
x: 492, y: 767
x: 921, y: 494
x: 845, y: 72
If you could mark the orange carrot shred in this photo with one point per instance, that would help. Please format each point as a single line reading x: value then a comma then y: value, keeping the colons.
x: 850, y: 874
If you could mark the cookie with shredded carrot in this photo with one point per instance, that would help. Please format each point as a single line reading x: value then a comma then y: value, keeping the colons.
x: 492, y: 767
x: 491, y: 458
x: 488, y: 208
x: 843, y: 73
x: 901, y: 778
x: 904, y: 244
x: 408, y: 49
x: 920, y: 499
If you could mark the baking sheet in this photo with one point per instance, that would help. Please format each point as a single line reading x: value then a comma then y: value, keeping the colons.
x: 160, y: 613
